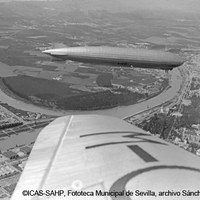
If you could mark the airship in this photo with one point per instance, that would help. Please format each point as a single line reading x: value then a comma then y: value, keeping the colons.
x: 117, y: 56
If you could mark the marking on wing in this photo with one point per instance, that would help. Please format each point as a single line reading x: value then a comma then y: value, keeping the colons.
x: 144, y: 139
x: 115, y: 132
x: 120, y: 184
x: 142, y: 153
x: 135, y: 136
x: 107, y: 144
x: 135, y: 148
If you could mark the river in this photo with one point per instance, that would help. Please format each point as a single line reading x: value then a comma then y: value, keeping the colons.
x: 121, y: 111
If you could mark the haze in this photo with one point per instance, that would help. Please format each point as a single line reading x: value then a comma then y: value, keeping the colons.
x: 184, y: 6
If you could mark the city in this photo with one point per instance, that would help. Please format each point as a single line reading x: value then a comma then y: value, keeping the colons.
x: 167, y: 120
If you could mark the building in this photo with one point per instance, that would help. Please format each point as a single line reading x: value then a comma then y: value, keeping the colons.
x: 26, y: 150
x: 11, y: 155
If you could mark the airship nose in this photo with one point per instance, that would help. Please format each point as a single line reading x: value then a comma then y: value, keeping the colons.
x: 56, y: 52
x: 48, y: 52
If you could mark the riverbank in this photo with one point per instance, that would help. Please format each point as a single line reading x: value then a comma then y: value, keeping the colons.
x: 121, y: 111
x: 100, y: 100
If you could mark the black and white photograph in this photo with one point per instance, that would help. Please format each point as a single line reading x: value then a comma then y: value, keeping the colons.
x: 100, y: 99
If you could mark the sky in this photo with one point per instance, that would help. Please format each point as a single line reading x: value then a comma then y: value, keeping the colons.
x: 179, y: 5
x: 131, y: 5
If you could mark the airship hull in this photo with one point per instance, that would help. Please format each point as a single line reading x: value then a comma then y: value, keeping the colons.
x: 115, y: 56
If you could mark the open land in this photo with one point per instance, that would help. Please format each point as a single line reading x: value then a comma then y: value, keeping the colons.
x: 68, y: 85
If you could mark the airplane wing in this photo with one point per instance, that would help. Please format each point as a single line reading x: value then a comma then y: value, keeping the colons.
x: 101, y: 157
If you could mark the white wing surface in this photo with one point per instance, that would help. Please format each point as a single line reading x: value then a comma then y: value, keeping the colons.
x: 106, y: 158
